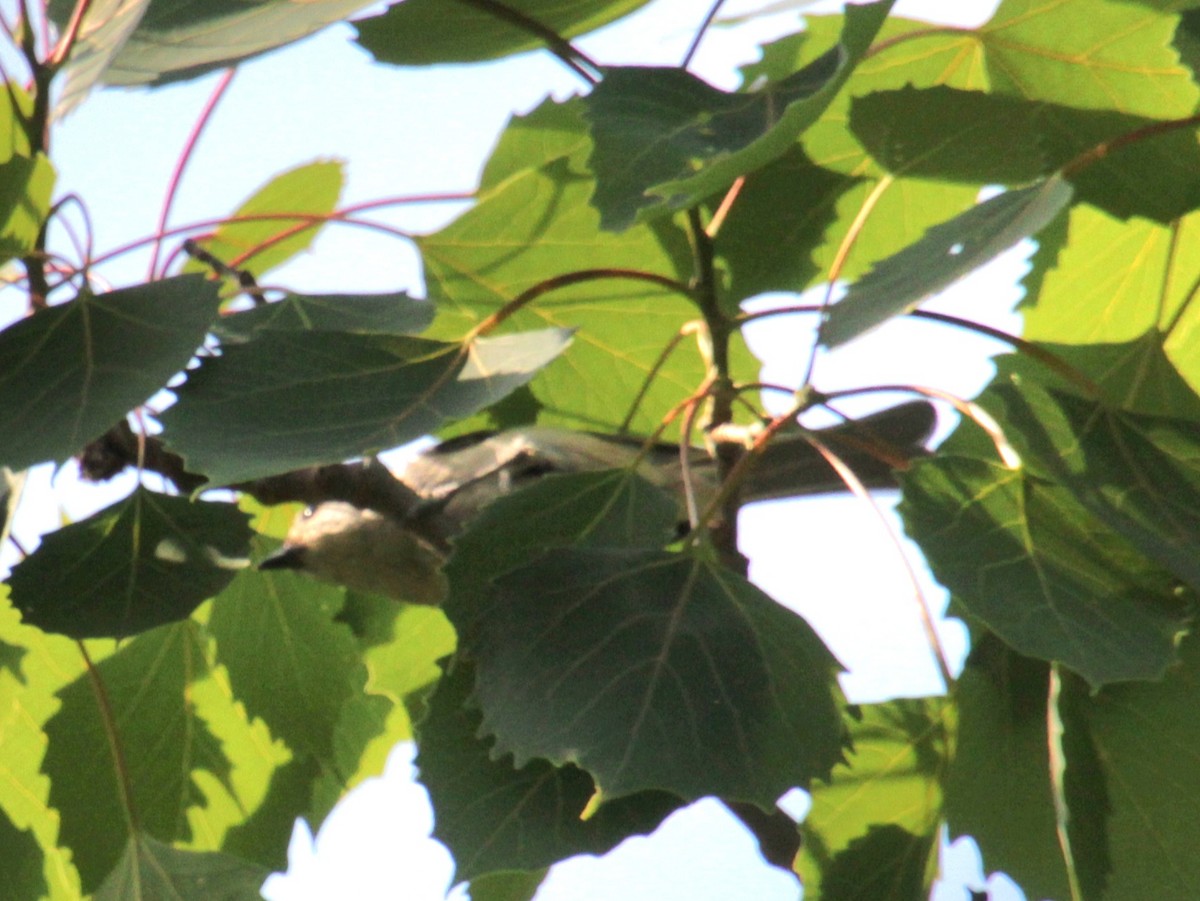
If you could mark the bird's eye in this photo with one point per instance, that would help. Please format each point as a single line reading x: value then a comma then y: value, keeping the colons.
x: 308, y: 511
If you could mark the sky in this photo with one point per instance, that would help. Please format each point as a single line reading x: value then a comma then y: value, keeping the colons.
x: 324, y: 99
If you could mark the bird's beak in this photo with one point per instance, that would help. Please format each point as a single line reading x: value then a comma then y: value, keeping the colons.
x: 289, y: 556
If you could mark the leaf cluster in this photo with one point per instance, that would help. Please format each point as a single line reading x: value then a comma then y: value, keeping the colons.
x: 595, y: 666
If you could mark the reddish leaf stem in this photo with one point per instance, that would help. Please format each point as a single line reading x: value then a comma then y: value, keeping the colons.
x: 531, y: 294
x: 185, y: 156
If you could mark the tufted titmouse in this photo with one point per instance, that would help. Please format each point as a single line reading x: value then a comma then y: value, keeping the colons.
x: 402, y: 558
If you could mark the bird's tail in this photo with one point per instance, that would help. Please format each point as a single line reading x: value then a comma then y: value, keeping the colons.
x: 873, y: 447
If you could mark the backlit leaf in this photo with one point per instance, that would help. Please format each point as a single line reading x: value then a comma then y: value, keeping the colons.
x: 875, y: 824
x: 164, y: 747
x: 256, y: 245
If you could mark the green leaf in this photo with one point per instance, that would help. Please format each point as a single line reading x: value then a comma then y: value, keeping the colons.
x: 98, y: 356
x: 25, y: 188
x: 22, y: 875
x: 781, y: 216
x: 944, y: 132
x: 151, y: 870
x: 886, y: 862
x: 1022, y: 556
x: 946, y: 253
x: 147, y: 560
x: 291, y: 399
x: 511, y: 886
x: 494, y: 817
x: 1087, y: 54
x: 163, y: 745
x: 679, y: 634
x: 258, y: 245
x: 26, y: 702
x: 1142, y: 286
x: 425, y: 32
x: 1147, y: 737
x: 989, y: 138
x: 1137, y: 474
x: 998, y: 790
x: 531, y: 225
x: 875, y: 824
x: 181, y: 41
x: 666, y: 139
x: 906, y: 52
x: 705, y: 685
x: 370, y: 314
x: 612, y: 508
x: 106, y: 26
x: 314, y: 667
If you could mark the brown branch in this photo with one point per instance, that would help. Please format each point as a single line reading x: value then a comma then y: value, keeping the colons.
x: 368, y: 484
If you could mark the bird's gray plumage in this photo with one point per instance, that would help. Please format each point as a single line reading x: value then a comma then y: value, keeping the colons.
x: 368, y: 551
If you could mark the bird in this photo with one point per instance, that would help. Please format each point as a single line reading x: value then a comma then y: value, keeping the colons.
x: 402, y: 557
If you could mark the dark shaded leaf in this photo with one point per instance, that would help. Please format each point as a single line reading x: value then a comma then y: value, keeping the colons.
x: 1140, y: 475
x: 945, y: 254
x: 599, y: 509
x: 693, y: 680
x: 664, y: 139
x: 887, y: 862
x: 370, y: 314
x: 147, y: 560
x: 98, y: 356
x: 511, y: 886
x: 782, y: 213
x: 290, y: 399
x: 424, y: 32
x: 999, y: 789
x: 1022, y: 555
x: 1147, y: 736
x: 493, y: 817
x: 21, y: 876
x: 875, y: 824
x: 152, y: 871
x: 165, y: 745
x: 944, y: 132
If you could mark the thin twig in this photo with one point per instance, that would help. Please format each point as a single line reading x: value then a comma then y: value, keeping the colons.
x: 562, y: 281
x: 700, y: 32
x: 66, y: 43
x: 859, y: 490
